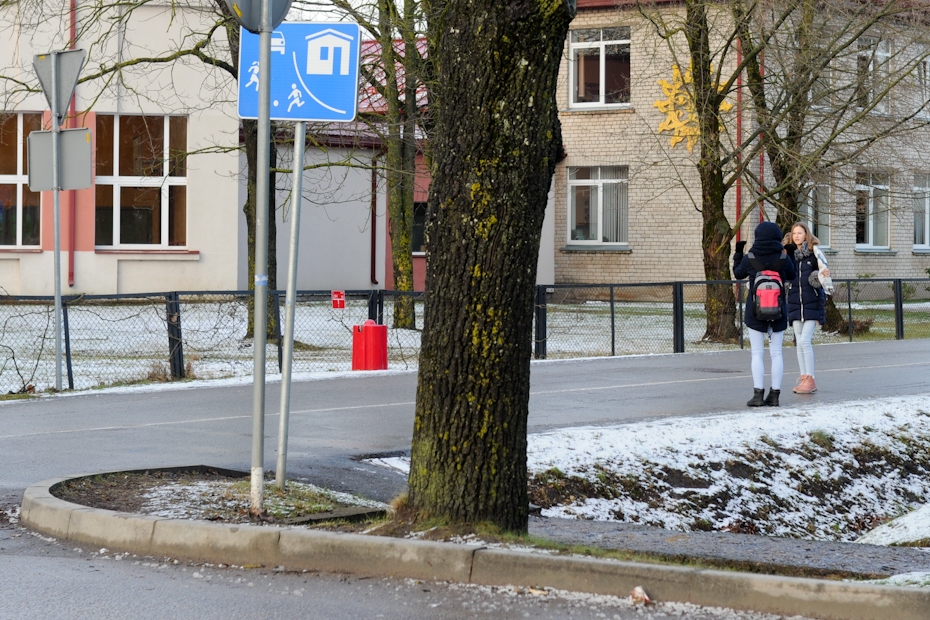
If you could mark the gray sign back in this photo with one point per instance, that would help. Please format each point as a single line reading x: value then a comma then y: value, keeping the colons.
x: 74, y: 156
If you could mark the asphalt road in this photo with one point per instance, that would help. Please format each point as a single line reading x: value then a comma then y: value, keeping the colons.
x: 333, y: 421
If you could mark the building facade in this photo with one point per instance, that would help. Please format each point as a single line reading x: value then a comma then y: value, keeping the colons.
x: 627, y: 197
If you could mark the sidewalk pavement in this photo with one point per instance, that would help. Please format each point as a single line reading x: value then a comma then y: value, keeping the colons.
x: 303, y: 549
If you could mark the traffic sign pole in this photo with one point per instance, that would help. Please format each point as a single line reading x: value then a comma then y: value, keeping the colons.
x: 56, y: 173
x: 290, y: 303
x: 261, y: 261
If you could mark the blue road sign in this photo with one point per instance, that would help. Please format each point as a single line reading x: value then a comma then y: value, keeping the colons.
x: 314, y: 72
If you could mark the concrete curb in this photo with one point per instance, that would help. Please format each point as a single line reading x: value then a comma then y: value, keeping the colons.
x: 299, y: 549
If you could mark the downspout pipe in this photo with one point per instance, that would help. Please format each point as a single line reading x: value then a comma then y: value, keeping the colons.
x: 739, y: 136
x: 374, y: 219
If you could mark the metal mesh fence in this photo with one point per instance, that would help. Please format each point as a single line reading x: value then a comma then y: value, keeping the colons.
x: 127, y: 338
x: 27, y: 344
x: 599, y: 320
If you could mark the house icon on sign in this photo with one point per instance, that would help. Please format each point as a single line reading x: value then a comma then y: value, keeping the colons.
x: 322, y: 49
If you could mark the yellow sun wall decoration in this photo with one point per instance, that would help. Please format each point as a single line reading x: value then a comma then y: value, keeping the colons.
x: 678, y: 107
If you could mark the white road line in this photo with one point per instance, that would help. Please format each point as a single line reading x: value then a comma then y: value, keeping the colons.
x: 410, y: 403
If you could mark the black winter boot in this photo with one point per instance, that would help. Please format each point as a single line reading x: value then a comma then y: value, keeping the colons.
x: 772, y: 399
x: 757, y: 400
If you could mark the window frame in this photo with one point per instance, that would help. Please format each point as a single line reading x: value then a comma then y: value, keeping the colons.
x: 817, y: 217
x: 163, y: 183
x: 875, y: 182
x: 922, y: 85
x: 623, y: 210
x: 601, y: 45
x: 878, y: 54
x: 921, y: 189
x: 20, y: 179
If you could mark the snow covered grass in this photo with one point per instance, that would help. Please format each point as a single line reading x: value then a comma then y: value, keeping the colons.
x: 229, y: 501
x: 829, y: 472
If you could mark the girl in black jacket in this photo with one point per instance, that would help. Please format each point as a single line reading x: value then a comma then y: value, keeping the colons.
x: 768, y: 250
x: 806, y: 300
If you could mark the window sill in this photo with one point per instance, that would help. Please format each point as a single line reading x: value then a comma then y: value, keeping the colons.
x: 616, y: 248
x: 875, y: 251
x: 12, y: 250
x: 921, y: 251
x: 829, y: 251
x: 147, y: 253
x: 622, y: 109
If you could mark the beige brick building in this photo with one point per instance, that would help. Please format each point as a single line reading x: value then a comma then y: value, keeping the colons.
x: 627, y: 196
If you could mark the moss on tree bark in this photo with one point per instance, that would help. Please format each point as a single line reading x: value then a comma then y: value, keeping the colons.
x: 494, y: 149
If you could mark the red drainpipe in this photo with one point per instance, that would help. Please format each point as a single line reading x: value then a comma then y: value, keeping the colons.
x: 374, y: 219
x: 72, y: 124
x: 739, y: 135
x: 761, y: 151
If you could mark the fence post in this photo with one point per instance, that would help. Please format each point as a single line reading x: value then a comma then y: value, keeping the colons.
x: 175, y: 348
x: 373, y: 306
x: 539, y: 338
x: 277, y: 327
x: 849, y: 309
x: 380, y: 318
x: 613, y: 324
x: 64, y: 317
x: 898, y: 310
x: 678, y: 317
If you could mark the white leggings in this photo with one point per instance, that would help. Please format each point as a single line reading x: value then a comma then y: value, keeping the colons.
x: 757, y: 340
x: 803, y: 335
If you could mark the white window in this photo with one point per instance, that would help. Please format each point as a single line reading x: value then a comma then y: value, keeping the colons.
x: 598, y: 205
x: 922, y: 91
x: 922, y: 210
x: 872, y: 209
x: 141, y: 190
x: 815, y: 210
x: 600, y: 67
x: 871, y: 67
x: 20, y: 212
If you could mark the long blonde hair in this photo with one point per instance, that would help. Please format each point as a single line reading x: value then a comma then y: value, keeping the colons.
x: 812, y: 240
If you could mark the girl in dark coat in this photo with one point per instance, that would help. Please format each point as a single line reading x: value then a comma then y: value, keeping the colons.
x: 768, y: 250
x: 806, y: 299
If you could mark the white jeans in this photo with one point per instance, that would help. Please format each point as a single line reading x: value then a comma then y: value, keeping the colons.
x: 803, y: 335
x: 757, y: 340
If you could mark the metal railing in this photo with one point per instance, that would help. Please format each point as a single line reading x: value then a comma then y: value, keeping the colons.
x: 116, y: 339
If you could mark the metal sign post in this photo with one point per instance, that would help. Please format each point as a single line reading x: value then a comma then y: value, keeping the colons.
x: 300, y: 140
x: 260, y: 19
x: 58, y: 73
x: 314, y: 77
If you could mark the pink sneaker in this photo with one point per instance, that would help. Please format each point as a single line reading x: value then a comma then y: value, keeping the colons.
x: 806, y: 385
x: 800, y: 384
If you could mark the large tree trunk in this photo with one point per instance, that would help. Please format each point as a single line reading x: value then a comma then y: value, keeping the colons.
x: 495, y: 145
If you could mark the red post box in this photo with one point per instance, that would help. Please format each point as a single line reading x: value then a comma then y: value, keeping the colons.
x: 369, y: 346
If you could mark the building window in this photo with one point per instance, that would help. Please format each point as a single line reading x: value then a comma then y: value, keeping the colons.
x: 20, y: 212
x: 141, y: 185
x: 872, y: 209
x: 815, y: 211
x: 871, y: 65
x: 600, y: 67
x: 922, y: 94
x: 417, y: 234
x: 598, y: 204
x: 922, y: 210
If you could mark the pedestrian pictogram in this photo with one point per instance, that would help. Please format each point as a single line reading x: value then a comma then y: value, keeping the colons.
x: 314, y: 72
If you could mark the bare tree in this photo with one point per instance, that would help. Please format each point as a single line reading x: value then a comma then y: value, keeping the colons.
x: 395, y: 80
